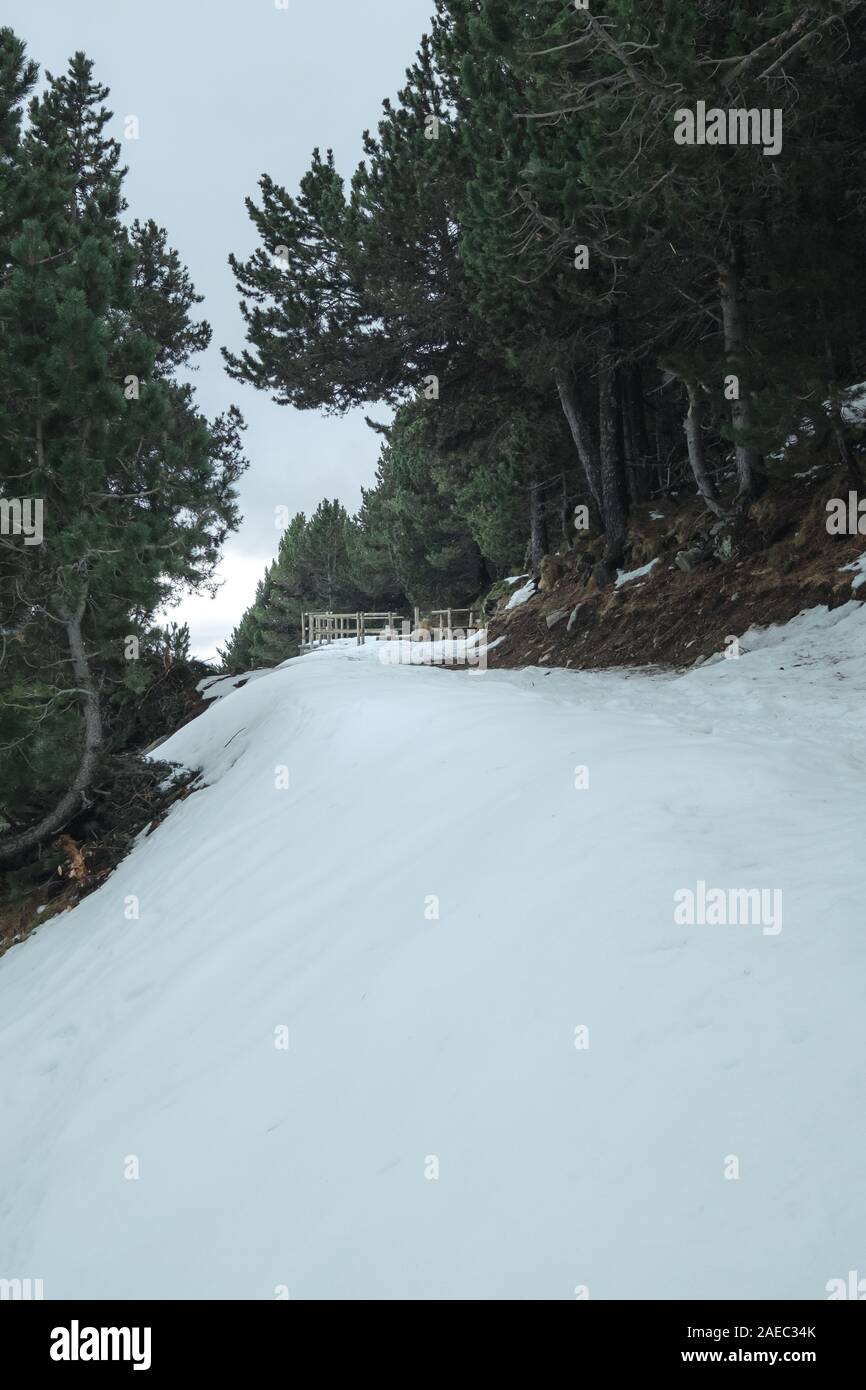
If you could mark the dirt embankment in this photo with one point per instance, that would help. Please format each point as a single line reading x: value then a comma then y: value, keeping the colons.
x: 131, y: 795
x: 710, y: 582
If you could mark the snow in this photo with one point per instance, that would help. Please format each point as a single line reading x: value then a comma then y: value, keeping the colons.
x: 853, y: 404
x: 859, y: 568
x: 626, y: 576
x: 852, y: 409
x: 215, y: 687
x: 526, y: 591
x: 514, y: 578
x: 415, y: 1038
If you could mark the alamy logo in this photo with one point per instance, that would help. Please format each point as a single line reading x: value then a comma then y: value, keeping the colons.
x: 853, y: 1287
x: 20, y: 1290
x: 729, y: 907
x: 846, y: 518
x: 418, y: 647
x: 739, y: 126
x: 76, y: 1343
x: 22, y: 516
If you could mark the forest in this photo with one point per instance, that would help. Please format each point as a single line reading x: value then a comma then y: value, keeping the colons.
x: 572, y: 310
x: 569, y: 303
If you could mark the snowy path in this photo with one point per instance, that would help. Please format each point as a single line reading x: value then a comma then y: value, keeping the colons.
x: 414, y: 1040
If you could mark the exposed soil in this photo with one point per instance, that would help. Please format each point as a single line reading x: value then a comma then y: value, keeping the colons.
x: 756, y: 572
x: 132, y: 795
x: 76, y: 863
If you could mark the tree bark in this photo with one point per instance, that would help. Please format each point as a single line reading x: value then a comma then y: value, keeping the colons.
x: 697, y: 456
x: 581, y: 433
x: 537, y: 530
x: 13, y: 846
x: 657, y: 434
x: 734, y: 327
x: 613, y: 484
x: 564, y: 526
x: 637, y: 450
x: 846, y: 453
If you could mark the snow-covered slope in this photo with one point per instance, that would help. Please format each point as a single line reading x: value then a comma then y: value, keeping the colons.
x: 420, y: 1041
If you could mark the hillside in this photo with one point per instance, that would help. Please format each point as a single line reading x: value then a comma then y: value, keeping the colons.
x: 689, y: 584
x: 431, y: 908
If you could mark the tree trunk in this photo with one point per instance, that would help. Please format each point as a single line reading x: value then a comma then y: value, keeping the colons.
x: 537, y: 530
x: 734, y: 326
x: 581, y: 433
x: 843, y: 444
x: 482, y: 574
x: 565, y: 525
x: 614, y: 493
x: 657, y: 435
x: 846, y: 455
x: 695, y: 442
x: 637, y: 450
x: 13, y: 846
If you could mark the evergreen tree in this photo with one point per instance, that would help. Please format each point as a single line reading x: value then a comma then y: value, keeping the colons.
x: 706, y: 239
x: 528, y: 239
x: 290, y: 579
x: 136, y: 487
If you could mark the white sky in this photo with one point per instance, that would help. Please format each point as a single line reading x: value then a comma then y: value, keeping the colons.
x: 226, y: 90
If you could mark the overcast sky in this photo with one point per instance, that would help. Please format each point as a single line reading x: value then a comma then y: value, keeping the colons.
x: 224, y: 91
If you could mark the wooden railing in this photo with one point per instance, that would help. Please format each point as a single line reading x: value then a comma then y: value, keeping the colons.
x: 320, y: 629
x: 317, y: 629
x: 451, y: 616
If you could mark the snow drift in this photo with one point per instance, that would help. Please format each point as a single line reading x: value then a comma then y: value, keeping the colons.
x: 405, y: 1011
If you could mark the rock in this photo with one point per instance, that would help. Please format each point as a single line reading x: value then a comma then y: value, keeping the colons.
x: 602, y: 576
x: 574, y: 616
x: 552, y: 570
x: 585, y: 615
x: 688, y: 560
x: 156, y: 743
x: 553, y: 618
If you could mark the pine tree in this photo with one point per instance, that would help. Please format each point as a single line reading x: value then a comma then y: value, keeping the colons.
x: 137, y: 489
x: 365, y: 295
x: 702, y: 234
